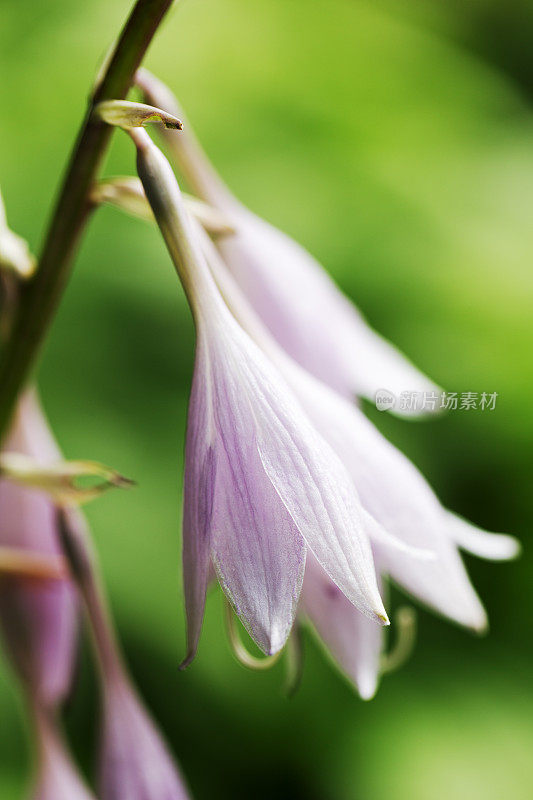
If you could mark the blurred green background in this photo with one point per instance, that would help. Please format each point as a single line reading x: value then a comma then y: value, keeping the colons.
x: 394, y: 139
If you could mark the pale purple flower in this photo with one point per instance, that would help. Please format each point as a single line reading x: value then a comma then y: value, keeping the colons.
x: 57, y: 778
x: 262, y: 487
x: 414, y: 539
x: 38, y: 618
x: 291, y: 292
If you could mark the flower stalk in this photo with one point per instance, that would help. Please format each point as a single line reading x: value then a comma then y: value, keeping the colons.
x: 41, y: 296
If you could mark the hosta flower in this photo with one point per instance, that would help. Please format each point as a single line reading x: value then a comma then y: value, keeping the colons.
x: 262, y: 487
x: 134, y: 761
x: 395, y: 495
x: 38, y: 618
x: 57, y: 777
x: 294, y: 296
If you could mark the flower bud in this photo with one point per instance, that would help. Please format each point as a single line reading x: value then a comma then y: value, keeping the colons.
x: 38, y: 617
x: 134, y: 760
x: 126, y: 114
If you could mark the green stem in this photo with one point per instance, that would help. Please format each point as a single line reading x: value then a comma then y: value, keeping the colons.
x: 41, y: 296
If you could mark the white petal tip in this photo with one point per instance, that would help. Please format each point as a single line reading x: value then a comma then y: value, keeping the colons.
x: 481, y: 628
x: 383, y: 618
x: 367, y: 689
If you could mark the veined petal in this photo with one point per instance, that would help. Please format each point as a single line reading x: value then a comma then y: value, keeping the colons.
x: 491, y: 546
x: 308, y: 477
x: 200, y: 464
x: 258, y: 552
x: 352, y: 640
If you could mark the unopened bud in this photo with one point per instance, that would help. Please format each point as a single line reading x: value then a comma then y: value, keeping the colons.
x: 67, y: 482
x: 38, y: 607
x: 126, y: 114
x: 134, y: 760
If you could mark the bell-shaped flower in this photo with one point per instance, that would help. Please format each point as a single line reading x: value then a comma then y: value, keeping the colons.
x: 261, y: 485
x: 134, y: 761
x: 396, y: 499
x: 291, y: 292
x: 57, y: 778
x: 38, y: 617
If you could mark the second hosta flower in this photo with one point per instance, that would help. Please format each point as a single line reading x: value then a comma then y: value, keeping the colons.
x: 262, y: 487
x: 39, y: 618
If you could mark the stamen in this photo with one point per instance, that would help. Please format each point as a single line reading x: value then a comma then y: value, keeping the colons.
x: 239, y: 650
x: 405, y: 622
x: 294, y: 661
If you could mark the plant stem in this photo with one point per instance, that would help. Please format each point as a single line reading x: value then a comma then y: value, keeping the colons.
x: 40, y: 297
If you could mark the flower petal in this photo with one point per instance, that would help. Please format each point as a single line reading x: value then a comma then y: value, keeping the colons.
x: 197, y: 504
x: 310, y: 317
x: 492, y: 546
x: 397, y: 496
x: 308, y: 476
x: 257, y: 549
x: 352, y: 640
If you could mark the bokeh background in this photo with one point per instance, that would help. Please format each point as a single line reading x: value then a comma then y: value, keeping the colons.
x: 394, y: 139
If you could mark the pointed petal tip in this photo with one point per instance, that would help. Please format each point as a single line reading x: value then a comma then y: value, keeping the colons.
x: 367, y: 688
x: 480, y: 628
x: 383, y: 619
x: 271, y: 642
x: 187, y: 661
